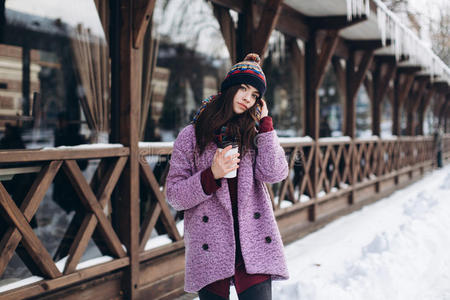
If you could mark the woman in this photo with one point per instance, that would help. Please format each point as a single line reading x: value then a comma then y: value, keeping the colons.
x: 231, y: 235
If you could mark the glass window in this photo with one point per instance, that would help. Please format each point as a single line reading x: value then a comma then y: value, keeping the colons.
x: 54, y: 91
x: 363, y: 113
x: 330, y: 105
x: 191, y: 61
x: 284, y: 95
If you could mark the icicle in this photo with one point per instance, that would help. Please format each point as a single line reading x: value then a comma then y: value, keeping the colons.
x: 382, y: 25
x: 367, y: 8
x: 349, y: 9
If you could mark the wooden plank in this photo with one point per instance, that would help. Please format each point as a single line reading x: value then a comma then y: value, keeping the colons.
x: 167, y: 217
x: 380, y: 85
x: 157, y: 252
x: 142, y: 14
x: 149, y: 223
x: 60, y: 154
x: 90, y: 202
x: 333, y: 22
x: 80, y: 242
x: 45, y: 286
x: 227, y: 28
x: 358, y: 76
x: 311, y: 111
x: 290, y: 22
x: 161, y: 267
x: 89, y: 223
x: 350, y: 104
x: 30, y: 241
x: 11, y: 238
x: 366, y: 44
x: 269, y: 19
x: 128, y: 108
x: 413, y: 104
x: 326, y: 52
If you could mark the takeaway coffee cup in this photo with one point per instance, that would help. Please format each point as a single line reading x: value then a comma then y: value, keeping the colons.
x: 232, y: 151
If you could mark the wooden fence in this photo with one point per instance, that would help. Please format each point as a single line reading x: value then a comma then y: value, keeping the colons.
x: 327, y: 178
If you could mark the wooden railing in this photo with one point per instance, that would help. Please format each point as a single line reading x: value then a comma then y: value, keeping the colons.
x: 94, y: 198
x: 325, y: 178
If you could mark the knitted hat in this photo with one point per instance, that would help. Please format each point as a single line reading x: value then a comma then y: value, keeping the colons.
x: 247, y: 71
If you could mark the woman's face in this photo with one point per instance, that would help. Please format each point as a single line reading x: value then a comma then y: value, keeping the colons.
x: 245, y: 98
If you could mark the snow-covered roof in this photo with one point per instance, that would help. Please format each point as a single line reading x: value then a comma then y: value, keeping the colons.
x: 381, y: 24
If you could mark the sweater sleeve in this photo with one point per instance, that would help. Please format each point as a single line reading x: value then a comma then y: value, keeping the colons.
x: 209, y: 184
x: 270, y: 165
x: 266, y: 124
x: 183, y: 187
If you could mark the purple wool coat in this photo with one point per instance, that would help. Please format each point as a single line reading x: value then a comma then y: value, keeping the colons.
x: 210, y: 242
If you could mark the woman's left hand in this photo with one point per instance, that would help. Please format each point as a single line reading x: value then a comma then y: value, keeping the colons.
x: 264, y: 110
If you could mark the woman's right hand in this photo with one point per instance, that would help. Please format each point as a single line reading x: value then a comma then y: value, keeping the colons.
x: 223, y: 165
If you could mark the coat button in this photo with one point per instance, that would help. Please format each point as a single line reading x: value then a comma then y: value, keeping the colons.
x: 205, y: 247
x: 268, y: 239
x: 257, y: 215
x: 205, y: 219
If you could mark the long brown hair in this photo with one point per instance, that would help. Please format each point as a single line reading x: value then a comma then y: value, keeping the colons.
x: 219, y: 113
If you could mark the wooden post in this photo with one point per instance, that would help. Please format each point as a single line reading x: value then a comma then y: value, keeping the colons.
x: 127, y: 208
x: 402, y: 84
x: 354, y: 81
x: 414, y: 102
x: 380, y: 86
x: 226, y: 23
x: 254, y: 27
x: 26, y: 61
x: 423, y: 108
x: 312, y: 114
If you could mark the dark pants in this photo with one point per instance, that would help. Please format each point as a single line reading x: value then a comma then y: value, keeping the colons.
x: 439, y: 159
x: 260, y: 291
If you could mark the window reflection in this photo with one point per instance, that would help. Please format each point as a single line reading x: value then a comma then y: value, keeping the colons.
x: 53, y: 61
x: 54, y: 91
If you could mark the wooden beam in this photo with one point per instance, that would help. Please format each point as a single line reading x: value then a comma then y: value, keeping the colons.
x: 12, y: 237
x: 142, y: 15
x: 236, y: 5
x: 402, y: 84
x: 227, y: 27
x: 311, y: 116
x: 413, y: 104
x: 292, y: 23
x: 26, y: 61
x: 423, y: 107
x: 409, y: 69
x: 245, y: 31
x: 31, y: 242
x: 333, y: 22
x: 380, y: 86
x: 355, y: 78
x: 366, y: 44
x: 89, y: 222
x: 127, y: 201
x: 269, y: 19
x: 326, y: 52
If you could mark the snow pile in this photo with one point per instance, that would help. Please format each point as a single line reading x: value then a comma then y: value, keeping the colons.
x: 396, y: 248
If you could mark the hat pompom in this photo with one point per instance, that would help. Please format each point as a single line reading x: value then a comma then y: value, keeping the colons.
x: 252, y: 57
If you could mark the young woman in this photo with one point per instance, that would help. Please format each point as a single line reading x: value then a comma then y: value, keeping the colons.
x: 230, y: 235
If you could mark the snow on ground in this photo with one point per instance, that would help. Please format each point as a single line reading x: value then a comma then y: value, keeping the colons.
x: 396, y: 248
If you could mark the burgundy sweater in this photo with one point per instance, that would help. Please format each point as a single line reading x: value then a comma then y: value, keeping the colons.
x: 242, y: 280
